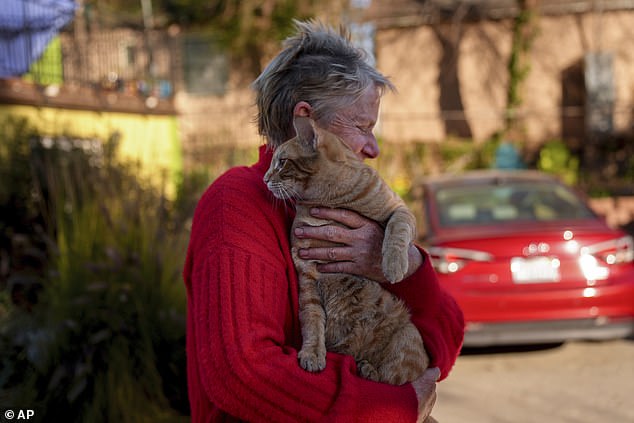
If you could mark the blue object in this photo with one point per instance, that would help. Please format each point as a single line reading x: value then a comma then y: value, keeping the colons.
x: 507, y: 157
x: 26, y: 28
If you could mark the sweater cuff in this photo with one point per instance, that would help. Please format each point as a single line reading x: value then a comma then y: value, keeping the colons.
x: 386, y: 403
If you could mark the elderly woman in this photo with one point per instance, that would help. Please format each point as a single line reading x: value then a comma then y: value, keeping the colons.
x: 243, y: 331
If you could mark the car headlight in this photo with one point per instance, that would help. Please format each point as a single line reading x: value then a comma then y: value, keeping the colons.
x: 451, y: 260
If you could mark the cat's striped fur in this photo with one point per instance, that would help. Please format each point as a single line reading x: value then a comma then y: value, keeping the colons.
x: 339, y: 312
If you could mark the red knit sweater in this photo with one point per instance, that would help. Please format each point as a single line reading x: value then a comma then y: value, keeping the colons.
x: 243, y: 331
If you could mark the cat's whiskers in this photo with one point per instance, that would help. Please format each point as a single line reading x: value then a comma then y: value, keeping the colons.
x: 277, y: 202
x: 287, y: 192
x: 284, y: 192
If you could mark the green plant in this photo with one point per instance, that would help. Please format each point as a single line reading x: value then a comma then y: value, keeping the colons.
x: 23, y: 241
x: 486, y: 153
x: 525, y: 29
x: 452, y: 150
x: 246, y: 28
x: 556, y: 158
x: 105, y: 340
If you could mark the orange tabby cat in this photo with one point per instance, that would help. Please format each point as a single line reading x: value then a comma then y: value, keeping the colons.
x: 345, y: 313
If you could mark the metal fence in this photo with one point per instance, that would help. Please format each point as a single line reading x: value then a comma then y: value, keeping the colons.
x: 42, y: 43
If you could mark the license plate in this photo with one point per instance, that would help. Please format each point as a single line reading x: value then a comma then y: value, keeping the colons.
x: 535, y: 269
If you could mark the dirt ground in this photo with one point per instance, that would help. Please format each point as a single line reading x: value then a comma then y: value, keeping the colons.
x: 576, y: 382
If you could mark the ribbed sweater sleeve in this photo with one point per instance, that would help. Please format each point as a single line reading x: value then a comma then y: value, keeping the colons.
x: 243, y: 332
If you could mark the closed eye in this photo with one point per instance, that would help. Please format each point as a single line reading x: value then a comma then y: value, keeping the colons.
x: 365, y: 129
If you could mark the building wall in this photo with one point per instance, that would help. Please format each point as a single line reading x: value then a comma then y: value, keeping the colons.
x: 218, y: 120
x: 411, y: 56
x: 617, y: 211
x: 151, y: 140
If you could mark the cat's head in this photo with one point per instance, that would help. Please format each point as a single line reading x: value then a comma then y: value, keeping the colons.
x: 308, y: 166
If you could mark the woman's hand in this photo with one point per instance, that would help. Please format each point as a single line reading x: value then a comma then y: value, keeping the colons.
x: 359, y: 252
x: 425, y: 387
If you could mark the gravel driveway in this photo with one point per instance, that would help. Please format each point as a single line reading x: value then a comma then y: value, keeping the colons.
x: 576, y: 382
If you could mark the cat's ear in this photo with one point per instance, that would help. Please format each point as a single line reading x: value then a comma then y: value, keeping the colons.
x: 305, y: 130
x: 335, y: 148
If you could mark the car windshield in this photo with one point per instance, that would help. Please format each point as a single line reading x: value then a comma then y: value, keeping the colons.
x: 508, y: 203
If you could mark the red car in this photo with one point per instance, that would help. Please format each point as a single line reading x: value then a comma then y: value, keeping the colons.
x: 527, y: 259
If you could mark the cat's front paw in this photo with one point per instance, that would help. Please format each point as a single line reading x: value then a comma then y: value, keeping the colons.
x: 313, y: 361
x: 395, y: 264
x: 367, y: 370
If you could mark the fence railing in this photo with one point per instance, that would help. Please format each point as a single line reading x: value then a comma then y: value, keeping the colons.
x: 88, y: 53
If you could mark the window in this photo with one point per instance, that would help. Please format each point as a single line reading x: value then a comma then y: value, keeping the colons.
x: 206, y: 68
x: 508, y: 203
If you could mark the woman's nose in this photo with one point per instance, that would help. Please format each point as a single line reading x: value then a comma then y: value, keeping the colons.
x: 371, y: 149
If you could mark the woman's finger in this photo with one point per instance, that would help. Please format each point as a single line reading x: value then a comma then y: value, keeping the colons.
x: 349, y: 218
x: 330, y: 233
x: 326, y: 254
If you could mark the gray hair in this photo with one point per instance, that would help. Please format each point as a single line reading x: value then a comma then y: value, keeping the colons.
x: 319, y: 66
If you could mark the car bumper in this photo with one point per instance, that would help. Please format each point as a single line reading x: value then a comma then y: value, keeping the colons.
x: 542, y: 332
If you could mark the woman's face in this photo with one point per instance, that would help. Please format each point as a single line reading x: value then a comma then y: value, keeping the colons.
x: 354, y: 125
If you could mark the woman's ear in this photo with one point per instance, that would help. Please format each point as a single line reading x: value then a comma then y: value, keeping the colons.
x: 302, y: 109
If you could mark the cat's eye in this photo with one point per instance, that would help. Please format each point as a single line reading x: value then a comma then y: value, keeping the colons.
x: 281, y: 162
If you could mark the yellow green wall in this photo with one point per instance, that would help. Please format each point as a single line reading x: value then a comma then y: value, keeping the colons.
x: 48, y: 68
x: 152, y: 140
